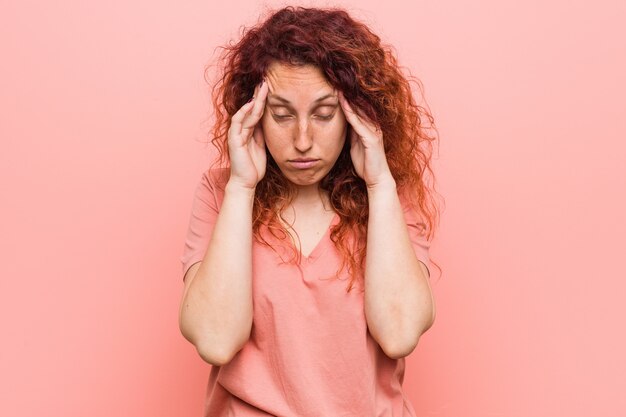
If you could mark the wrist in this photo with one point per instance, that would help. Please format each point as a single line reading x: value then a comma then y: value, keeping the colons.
x: 233, y: 187
x: 384, y: 184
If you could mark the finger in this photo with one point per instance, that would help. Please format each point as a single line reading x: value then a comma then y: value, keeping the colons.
x: 361, y: 124
x: 256, y: 113
x: 237, y: 119
x: 369, y: 125
x: 351, y: 114
x: 359, y: 117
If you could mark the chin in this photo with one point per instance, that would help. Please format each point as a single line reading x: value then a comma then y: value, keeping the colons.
x: 304, y: 178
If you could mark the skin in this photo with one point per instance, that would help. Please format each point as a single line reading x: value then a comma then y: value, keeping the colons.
x: 299, y: 129
x: 302, y: 127
x: 216, y: 310
x: 303, y: 118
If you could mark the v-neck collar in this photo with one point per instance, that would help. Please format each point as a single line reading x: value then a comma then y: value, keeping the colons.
x: 317, y: 249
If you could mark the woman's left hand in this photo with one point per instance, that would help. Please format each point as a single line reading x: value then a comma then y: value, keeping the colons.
x: 366, y: 147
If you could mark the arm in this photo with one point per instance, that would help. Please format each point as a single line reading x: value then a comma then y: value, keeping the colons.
x: 216, y: 308
x: 399, y: 306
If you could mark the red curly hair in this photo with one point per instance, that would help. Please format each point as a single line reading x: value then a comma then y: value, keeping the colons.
x: 354, y: 61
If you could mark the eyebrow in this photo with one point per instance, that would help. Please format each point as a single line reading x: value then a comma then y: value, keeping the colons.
x: 284, y: 100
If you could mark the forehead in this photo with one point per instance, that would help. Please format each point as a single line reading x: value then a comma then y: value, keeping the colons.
x: 296, y: 83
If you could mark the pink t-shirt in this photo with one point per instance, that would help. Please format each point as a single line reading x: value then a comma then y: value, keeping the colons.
x: 310, y: 352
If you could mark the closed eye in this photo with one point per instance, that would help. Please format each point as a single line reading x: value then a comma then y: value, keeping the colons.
x: 319, y: 116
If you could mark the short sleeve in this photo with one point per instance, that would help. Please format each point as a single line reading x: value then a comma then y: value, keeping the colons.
x: 417, y: 233
x: 204, y: 211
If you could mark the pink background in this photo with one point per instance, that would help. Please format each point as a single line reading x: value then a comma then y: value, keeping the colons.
x: 103, y: 115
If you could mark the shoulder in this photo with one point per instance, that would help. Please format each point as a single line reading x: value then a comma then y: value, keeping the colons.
x: 406, y: 201
x: 216, y: 176
x: 214, y: 180
x: 411, y: 209
x: 211, y: 187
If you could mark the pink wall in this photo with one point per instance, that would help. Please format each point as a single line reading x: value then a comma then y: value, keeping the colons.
x: 102, y: 116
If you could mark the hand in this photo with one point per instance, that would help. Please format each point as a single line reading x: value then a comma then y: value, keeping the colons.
x: 366, y: 147
x: 246, y: 143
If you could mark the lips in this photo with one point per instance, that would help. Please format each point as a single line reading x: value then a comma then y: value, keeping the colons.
x: 303, y: 163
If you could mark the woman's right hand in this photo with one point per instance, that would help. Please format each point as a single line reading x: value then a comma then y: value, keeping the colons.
x: 246, y: 142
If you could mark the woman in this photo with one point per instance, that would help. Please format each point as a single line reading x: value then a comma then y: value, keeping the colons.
x: 320, y: 185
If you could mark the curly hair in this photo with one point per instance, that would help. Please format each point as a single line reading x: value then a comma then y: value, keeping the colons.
x: 354, y: 61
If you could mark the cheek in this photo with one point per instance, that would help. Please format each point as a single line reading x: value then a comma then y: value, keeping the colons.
x: 273, y: 134
x: 335, y: 134
x: 271, y: 126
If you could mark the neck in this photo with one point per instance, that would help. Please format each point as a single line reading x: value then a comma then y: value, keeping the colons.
x: 310, y: 195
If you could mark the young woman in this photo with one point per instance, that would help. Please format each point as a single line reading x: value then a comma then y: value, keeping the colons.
x: 306, y: 267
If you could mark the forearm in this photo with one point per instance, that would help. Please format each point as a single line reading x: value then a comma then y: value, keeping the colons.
x: 217, y: 309
x: 398, y: 299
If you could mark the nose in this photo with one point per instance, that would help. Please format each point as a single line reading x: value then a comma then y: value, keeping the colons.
x: 303, y: 141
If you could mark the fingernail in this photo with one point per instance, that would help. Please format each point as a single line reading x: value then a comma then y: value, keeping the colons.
x: 251, y: 98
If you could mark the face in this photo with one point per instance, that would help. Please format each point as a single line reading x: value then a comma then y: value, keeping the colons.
x: 303, y: 123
